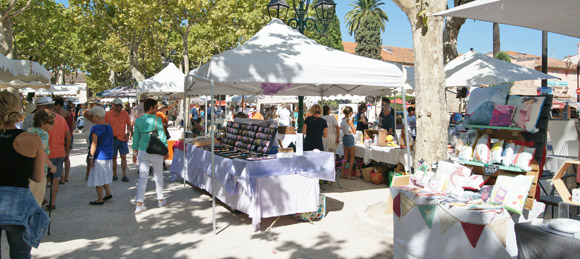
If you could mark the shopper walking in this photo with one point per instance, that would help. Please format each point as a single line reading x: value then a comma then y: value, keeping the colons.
x: 315, y: 128
x: 22, y: 159
x: 119, y: 120
x: 141, y: 135
x: 43, y: 121
x: 59, y: 108
x: 100, y: 156
x: 59, y: 141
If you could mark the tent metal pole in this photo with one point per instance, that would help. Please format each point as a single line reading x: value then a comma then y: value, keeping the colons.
x: 184, y: 134
x: 212, y: 155
x: 406, y: 129
x: 205, y: 114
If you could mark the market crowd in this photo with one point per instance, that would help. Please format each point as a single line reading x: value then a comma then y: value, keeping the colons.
x: 40, y: 135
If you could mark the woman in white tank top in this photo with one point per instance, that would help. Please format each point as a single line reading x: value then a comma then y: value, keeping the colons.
x: 347, y: 127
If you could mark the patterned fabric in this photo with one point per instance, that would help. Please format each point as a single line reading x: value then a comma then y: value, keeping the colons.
x: 43, y: 138
x: 315, y: 215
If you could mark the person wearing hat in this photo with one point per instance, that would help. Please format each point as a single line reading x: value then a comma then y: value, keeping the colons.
x: 88, y: 124
x: 59, y: 142
x: 122, y: 129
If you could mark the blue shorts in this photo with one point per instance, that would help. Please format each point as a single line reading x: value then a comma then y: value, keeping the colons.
x: 59, y: 163
x: 348, y: 141
x: 120, y: 146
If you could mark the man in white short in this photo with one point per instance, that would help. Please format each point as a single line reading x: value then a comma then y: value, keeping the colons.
x: 284, y: 116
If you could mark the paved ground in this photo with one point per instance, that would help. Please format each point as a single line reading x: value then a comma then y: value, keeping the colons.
x: 355, y: 226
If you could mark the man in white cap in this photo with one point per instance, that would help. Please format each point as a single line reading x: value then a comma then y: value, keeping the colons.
x: 121, y: 124
x: 59, y: 142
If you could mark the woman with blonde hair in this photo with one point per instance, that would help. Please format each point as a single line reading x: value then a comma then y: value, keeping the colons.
x: 22, y: 159
x: 315, y: 127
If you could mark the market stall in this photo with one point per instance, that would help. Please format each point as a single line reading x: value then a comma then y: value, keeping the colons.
x: 280, y: 61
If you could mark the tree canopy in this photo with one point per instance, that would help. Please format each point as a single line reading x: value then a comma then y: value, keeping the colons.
x: 362, y: 9
x: 368, y: 38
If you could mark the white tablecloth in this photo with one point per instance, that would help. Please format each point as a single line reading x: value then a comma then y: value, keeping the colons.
x: 413, y: 238
x: 291, y: 186
x: 387, y: 155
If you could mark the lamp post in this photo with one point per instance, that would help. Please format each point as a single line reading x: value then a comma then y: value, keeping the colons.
x: 301, y: 22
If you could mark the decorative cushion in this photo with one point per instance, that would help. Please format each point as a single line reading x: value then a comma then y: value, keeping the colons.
x: 483, y: 115
x: 482, y: 152
x: 508, y: 154
x: 496, y: 151
x: 495, y: 94
x: 527, y: 112
x: 523, y: 157
x: 512, y: 192
x: 502, y: 115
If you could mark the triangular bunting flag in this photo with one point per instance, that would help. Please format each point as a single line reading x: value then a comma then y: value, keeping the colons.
x: 428, y: 212
x: 447, y: 220
x: 406, y: 204
x: 397, y: 205
x: 473, y: 232
x: 499, y: 228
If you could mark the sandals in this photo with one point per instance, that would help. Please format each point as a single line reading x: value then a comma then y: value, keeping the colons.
x: 108, y: 197
x: 50, y: 207
x: 97, y: 203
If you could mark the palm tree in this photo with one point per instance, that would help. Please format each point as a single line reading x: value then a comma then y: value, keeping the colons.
x: 362, y: 8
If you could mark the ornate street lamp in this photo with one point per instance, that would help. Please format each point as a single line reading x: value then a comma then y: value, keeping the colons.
x: 302, y: 22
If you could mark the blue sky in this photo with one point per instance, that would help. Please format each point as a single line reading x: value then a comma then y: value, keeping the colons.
x: 473, y: 34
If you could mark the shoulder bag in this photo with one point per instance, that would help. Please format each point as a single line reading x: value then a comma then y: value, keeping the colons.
x: 155, y: 145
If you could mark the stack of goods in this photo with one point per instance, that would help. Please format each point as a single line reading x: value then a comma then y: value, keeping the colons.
x: 470, y: 146
x: 247, y: 141
x: 493, y: 106
x: 451, y: 180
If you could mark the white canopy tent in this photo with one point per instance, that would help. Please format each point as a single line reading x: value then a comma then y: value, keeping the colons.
x: 277, y: 54
x: 22, y: 73
x: 474, y: 69
x: 554, y: 16
x: 167, y: 81
x: 278, y: 60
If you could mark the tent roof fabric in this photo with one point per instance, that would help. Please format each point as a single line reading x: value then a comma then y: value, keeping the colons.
x: 169, y: 80
x: 280, y: 55
x: 553, y: 16
x: 478, y: 69
x: 22, y: 73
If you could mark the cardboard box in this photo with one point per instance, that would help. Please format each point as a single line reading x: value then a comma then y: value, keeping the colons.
x: 286, y: 130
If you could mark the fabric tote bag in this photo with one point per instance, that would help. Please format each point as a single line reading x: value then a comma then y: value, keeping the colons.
x: 155, y: 145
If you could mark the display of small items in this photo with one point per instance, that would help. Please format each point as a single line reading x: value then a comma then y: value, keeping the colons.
x: 251, y: 139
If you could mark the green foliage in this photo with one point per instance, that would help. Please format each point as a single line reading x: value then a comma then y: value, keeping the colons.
x: 503, y: 56
x: 368, y: 38
x: 332, y: 38
x: 364, y: 8
x: 332, y: 104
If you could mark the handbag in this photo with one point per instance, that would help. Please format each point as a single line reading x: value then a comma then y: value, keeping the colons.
x: 155, y: 145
